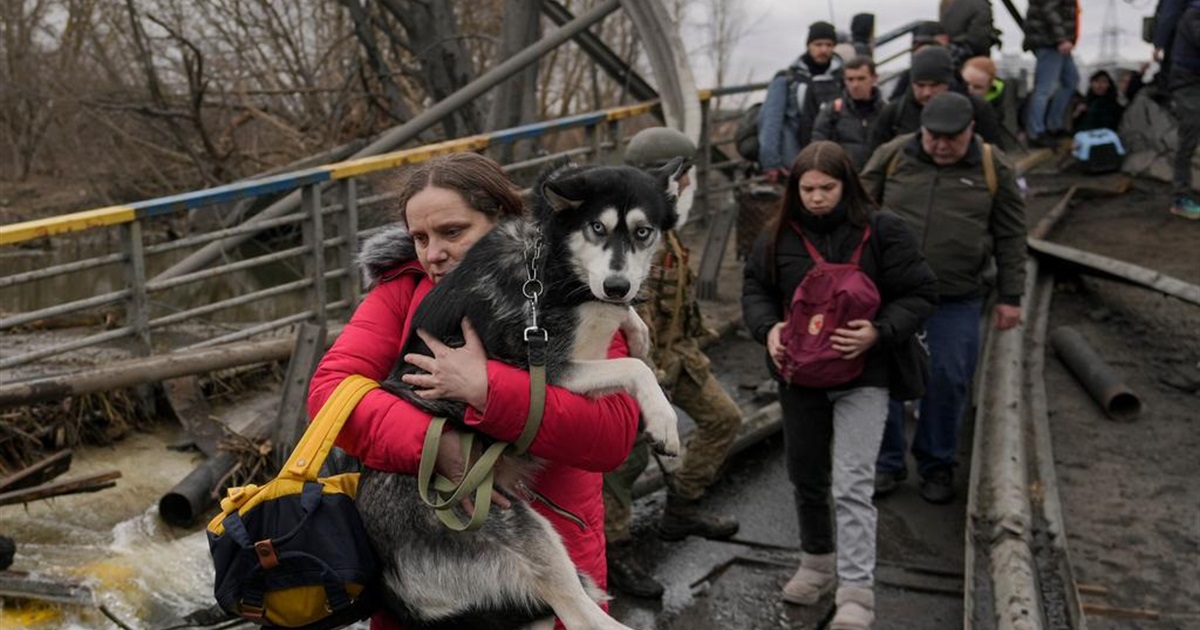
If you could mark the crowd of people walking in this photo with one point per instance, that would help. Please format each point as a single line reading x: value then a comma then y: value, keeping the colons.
x: 897, y: 219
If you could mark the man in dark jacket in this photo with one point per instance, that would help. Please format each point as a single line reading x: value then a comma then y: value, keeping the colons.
x: 924, y: 34
x: 960, y: 197
x: 969, y: 25
x: 932, y: 74
x: 847, y: 119
x: 793, y: 98
x: 1051, y: 30
x: 1177, y: 43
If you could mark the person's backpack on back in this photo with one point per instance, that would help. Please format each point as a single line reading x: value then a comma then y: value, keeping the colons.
x: 745, y: 136
x: 830, y: 296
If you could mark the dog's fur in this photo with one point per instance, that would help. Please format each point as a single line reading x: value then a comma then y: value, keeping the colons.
x: 600, y: 227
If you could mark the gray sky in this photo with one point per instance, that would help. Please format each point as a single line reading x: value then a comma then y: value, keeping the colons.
x: 777, y: 28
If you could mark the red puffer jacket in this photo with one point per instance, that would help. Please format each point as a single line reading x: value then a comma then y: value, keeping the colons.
x: 580, y: 437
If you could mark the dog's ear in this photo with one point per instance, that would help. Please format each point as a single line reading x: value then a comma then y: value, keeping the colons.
x: 669, y: 175
x: 563, y: 194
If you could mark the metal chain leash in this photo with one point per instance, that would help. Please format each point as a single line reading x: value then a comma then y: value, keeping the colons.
x: 533, y: 287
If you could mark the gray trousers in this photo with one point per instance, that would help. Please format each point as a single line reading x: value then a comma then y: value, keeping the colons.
x: 831, y: 439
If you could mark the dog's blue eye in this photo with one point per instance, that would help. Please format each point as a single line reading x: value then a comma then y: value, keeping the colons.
x: 597, y: 227
x: 643, y: 233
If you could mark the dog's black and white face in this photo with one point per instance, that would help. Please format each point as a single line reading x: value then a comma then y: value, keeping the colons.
x: 612, y: 219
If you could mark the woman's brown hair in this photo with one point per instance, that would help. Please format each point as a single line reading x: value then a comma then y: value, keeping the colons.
x: 831, y: 159
x: 480, y: 181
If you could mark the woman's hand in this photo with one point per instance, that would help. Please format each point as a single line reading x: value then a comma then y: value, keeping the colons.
x: 775, y: 344
x: 856, y: 338
x: 451, y: 466
x: 453, y: 373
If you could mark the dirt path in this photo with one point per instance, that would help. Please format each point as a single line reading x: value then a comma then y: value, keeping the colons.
x: 1130, y: 495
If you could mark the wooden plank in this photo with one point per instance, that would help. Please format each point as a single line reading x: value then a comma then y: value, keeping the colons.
x: 714, y: 252
x: 38, y: 473
x: 1088, y: 263
x: 1114, y: 612
x: 19, y: 584
x: 90, y: 483
x: 293, y: 414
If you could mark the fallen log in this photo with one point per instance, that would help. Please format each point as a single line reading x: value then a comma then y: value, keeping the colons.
x: 38, y: 473
x: 133, y: 372
x: 90, y: 483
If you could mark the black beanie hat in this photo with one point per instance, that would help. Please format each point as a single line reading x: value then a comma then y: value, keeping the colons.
x: 821, y: 30
x: 932, y: 63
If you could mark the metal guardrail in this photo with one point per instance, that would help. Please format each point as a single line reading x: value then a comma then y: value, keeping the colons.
x: 320, y: 272
x: 330, y: 282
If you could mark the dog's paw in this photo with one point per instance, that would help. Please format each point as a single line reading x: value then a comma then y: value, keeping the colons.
x: 662, y: 426
x: 637, y: 335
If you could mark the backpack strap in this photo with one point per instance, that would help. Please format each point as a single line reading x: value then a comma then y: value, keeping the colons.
x: 857, y: 255
x: 812, y: 251
x: 893, y: 165
x: 989, y: 169
x: 816, y: 255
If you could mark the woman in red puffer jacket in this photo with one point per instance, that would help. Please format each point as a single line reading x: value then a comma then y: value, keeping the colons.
x: 446, y: 205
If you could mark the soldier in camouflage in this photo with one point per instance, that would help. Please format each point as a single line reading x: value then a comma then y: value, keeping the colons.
x: 677, y: 332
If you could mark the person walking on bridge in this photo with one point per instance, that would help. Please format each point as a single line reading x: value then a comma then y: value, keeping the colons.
x: 847, y: 119
x: 932, y: 74
x: 677, y: 331
x: 793, y: 98
x: 959, y: 195
x: 832, y: 427
x: 1177, y: 41
x: 1051, y: 32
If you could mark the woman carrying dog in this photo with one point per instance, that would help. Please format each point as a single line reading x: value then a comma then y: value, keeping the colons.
x: 832, y: 433
x: 445, y: 206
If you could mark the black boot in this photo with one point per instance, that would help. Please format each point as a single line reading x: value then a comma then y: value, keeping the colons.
x: 627, y: 575
x: 684, y: 517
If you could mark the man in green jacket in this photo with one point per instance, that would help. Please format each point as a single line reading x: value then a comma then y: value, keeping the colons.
x: 959, y: 196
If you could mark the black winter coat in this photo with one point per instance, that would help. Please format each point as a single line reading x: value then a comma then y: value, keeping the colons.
x: 969, y: 23
x: 1048, y: 22
x: 848, y: 123
x: 907, y: 286
x: 903, y: 116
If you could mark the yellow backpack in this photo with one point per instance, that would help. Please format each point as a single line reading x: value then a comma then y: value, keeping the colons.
x: 293, y: 553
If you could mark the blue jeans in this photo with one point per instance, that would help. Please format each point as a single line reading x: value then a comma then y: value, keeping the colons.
x: 953, y: 336
x: 1054, y: 82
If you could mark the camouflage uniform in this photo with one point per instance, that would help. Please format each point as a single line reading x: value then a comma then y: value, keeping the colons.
x: 676, y: 333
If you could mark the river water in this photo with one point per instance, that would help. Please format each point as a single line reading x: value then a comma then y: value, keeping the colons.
x: 144, y: 572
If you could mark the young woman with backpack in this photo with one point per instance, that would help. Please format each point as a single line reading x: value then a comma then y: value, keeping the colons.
x: 833, y: 289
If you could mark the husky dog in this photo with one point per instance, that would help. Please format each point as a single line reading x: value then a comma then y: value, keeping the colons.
x: 599, y: 228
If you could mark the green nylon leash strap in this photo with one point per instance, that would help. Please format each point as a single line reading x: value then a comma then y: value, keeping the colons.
x: 479, y: 479
x: 476, y: 473
x: 537, y: 394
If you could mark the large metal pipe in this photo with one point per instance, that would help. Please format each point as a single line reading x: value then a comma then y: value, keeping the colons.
x: 1105, y: 386
x: 409, y: 130
x: 192, y: 497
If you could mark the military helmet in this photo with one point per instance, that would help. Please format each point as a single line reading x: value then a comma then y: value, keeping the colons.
x: 654, y: 147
